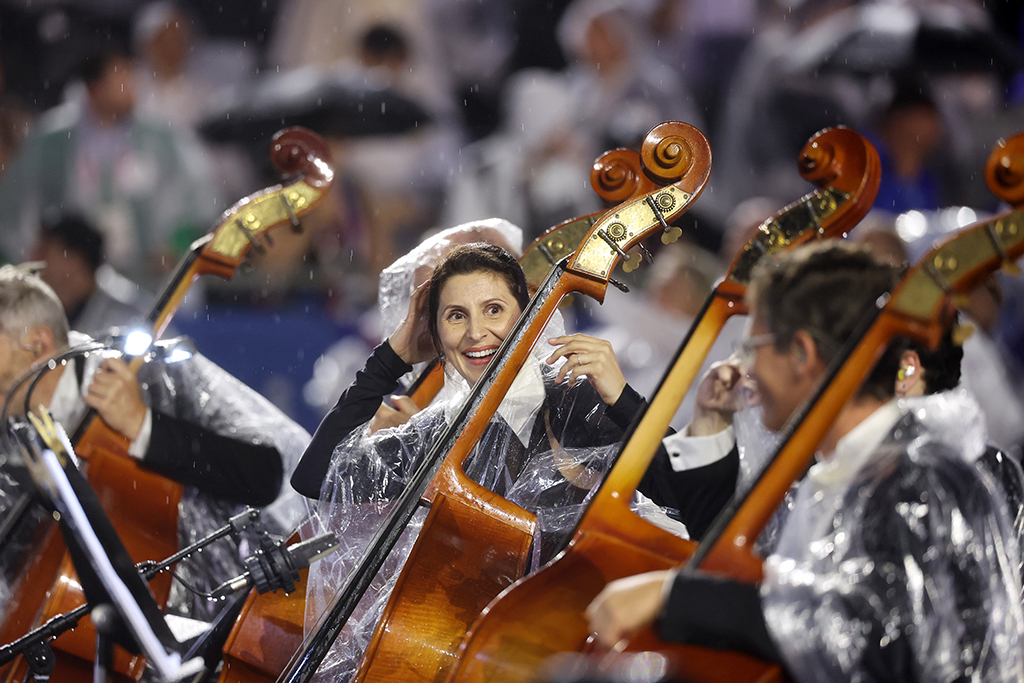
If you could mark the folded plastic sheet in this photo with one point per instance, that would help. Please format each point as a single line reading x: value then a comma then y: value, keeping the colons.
x: 906, y: 570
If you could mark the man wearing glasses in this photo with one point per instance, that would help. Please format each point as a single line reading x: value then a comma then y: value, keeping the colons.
x: 894, y: 560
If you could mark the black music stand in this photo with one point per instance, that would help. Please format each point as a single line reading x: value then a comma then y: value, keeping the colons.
x: 123, y: 609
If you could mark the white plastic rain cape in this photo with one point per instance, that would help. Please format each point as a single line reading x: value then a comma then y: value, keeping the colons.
x: 904, y: 566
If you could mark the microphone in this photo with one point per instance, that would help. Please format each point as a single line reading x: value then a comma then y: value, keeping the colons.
x: 277, y: 566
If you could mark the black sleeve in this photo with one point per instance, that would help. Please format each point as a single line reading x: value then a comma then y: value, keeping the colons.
x: 356, y: 406
x: 627, y: 407
x: 698, y: 494
x: 719, y: 613
x: 220, y: 466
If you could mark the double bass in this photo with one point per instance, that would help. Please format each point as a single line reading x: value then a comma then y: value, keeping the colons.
x: 142, y: 505
x: 920, y: 308
x: 544, y: 613
x: 446, y: 582
x: 268, y: 630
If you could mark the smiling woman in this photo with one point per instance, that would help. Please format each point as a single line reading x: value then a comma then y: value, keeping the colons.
x: 462, y: 315
x: 544, y: 449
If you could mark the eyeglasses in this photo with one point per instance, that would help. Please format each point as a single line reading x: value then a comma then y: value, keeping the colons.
x: 744, y: 349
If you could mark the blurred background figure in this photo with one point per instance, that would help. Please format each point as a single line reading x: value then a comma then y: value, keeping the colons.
x: 94, y: 296
x: 145, y: 188
x: 15, y: 120
x: 614, y: 90
x: 162, y: 44
x: 646, y: 326
x: 908, y: 134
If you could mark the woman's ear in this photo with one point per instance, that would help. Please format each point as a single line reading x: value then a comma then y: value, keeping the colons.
x: 910, y: 377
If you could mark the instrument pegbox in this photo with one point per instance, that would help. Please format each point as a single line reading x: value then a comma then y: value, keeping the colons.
x: 665, y: 157
x: 1004, y: 173
x: 667, y: 154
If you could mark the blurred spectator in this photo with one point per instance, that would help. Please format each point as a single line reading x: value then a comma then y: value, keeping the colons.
x: 907, y: 136
x: 400, y: 179
x: 404, y: 176
x: 143, y: 186
x: 95, y: 297
x: 646, y: 327
x: 535, y: 170
x: 741, y: 224
x: 483, y: 42
x: 877, y: 231
x: 162, y: 40
x: 770, y: 111
x: 179, y: 73
x: 15, y: 119
x: 703, y: 42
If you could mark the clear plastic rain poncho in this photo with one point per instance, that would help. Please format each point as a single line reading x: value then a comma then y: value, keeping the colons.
x: 184, y: 384
x: 568, y: 445
x: 546, y: 449
x: 903, y: 567
x: 197, y: 390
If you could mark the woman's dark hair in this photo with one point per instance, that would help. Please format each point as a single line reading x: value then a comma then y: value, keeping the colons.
x: 942, y: 366
x: 472, y: 258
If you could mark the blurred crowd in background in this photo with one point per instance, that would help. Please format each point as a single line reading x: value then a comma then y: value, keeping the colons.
x: 127, y: 127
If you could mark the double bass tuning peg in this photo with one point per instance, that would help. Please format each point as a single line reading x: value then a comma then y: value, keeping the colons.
x: 671, y: 234
x: 293, y: 220
x: 630, y: 262
x: 250, y: 236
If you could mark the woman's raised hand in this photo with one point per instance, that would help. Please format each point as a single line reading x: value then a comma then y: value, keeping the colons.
x: 592, y: 358
x: 411, y: 341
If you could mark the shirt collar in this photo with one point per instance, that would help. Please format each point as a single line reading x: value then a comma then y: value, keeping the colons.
x: 65, y: 405
x: 520, y: 406
x: 856, y: 447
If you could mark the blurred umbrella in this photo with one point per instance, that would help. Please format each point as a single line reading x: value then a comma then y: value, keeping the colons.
x: 933, y: 37
x: 333, y: 103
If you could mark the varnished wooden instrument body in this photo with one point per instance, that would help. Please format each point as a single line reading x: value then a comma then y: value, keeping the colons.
x: 544, y: 613
x: 269, y: 628
x: 474, y: 543
x: 142, y: 505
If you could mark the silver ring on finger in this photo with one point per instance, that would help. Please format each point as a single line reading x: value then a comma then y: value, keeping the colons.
x: 579, y: 359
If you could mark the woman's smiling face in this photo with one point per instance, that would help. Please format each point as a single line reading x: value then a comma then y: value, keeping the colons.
x: 475, y: 313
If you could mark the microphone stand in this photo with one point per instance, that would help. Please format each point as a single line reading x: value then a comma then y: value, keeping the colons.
x: 35, y: 644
